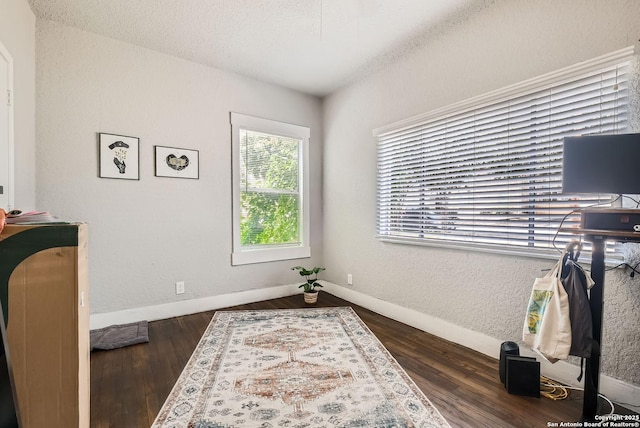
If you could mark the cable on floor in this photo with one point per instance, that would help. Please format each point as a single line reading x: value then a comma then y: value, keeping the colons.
x: 556, y: 391
x: 552, y: 389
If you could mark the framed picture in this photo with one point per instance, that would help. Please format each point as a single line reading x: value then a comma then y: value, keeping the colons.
x: 175, y: 162
x: 119, y: 156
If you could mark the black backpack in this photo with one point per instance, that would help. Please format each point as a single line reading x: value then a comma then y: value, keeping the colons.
x: 575, y: 283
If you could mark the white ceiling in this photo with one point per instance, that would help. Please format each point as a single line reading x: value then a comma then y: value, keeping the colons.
x: 314, y: 46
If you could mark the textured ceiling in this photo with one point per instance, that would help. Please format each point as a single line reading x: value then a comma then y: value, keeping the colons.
x: 314, y: 46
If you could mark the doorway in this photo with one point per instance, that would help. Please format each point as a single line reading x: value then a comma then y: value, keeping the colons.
x: 6, y: 129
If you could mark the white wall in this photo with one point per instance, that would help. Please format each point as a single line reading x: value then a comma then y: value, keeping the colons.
x: 506, y: 43
x: 145, y: 235
x: 17, y: 33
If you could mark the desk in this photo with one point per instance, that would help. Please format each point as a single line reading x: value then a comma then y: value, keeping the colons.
x: 598, y: 239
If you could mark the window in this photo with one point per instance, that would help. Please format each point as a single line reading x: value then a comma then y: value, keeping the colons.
x: 270, y: 190
x: 487, y: 173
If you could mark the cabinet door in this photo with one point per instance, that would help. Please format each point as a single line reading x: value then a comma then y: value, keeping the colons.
x: 42, y: 332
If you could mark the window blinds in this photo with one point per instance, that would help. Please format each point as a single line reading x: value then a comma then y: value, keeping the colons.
x: 489, y: 171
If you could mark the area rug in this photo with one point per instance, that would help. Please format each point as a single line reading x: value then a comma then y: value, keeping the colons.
x: 319, y: 367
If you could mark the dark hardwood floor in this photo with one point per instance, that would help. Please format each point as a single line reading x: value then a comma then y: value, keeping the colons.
x: 129, y: 385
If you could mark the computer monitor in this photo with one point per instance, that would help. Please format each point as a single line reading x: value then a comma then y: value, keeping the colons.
x: 601, y: 164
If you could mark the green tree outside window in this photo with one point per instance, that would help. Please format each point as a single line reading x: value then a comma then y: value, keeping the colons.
x: 269, y: 194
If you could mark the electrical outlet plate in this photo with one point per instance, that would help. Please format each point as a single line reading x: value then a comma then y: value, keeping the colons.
x: 349, y: 279
x: 180, y: 287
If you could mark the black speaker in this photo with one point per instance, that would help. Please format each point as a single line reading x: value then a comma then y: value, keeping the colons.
x: 523, y: 376
x: 506, y: 348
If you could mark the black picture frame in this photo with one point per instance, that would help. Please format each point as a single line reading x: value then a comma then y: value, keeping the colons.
x: 177, y: 162
x: 119, y: 156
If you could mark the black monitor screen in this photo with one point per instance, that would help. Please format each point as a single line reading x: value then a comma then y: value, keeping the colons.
x: 601, y: 164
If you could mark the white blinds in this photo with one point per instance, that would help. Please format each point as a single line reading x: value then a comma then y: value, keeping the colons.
x: 490, y: 173
x: 269, y: 163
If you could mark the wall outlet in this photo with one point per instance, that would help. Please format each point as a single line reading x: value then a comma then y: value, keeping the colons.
x: 349, y: 279
x: 180, y: 287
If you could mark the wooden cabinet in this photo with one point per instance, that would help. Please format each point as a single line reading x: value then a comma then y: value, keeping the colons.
x: 44, y: 269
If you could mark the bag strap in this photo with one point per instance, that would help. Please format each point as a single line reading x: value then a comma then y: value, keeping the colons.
x: 573, y: 250
x: 570, y: 256
x: 557, y: 269
x: 579, y: 379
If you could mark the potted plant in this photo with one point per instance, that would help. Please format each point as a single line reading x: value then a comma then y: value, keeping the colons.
x: 310, y: 292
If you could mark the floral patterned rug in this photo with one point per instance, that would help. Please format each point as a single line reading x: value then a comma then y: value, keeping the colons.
x: 296, y: 368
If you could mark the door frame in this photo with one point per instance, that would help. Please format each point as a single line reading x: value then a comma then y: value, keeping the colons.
x: 9, y: 99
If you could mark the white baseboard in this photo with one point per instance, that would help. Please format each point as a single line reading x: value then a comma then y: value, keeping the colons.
x: 187, y: 307
x: 616, y: 390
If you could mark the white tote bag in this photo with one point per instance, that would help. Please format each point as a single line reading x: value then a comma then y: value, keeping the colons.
x: 547, y: 328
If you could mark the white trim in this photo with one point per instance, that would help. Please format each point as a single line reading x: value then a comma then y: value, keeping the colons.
x: 10, y: 185
x: 544, y: 254
x: 241, y: 256
x: 521, y: 88
x: 269, y: 126
x: 616, y: 390
x: 471, y: 339
x: 261, y: 255
x: 192, y: 306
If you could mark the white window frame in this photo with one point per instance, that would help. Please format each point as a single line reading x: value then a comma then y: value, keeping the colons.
x: 242, y: 255
x: 390, y: 136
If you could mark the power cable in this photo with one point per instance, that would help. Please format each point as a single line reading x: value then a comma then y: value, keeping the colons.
x: 556, y: 391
